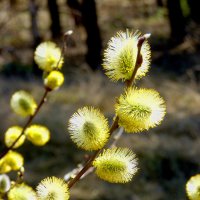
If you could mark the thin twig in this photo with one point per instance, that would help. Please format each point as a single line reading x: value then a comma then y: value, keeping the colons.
x: 139, y: 60
x: 75, y: 171
x: 64, y: 46
x: 42, y: 101
x: 117, y: 137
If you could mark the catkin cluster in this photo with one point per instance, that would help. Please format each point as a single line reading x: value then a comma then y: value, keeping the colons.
x: 137, y: 109
x: 49, y: 58
x: 127, y: 58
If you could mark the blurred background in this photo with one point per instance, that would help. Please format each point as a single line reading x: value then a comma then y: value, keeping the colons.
x: 169, y: 154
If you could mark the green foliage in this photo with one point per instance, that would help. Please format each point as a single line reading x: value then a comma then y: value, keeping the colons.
x: 185, y: 7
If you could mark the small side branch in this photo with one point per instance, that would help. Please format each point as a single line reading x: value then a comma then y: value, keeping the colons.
x: 114, y: 126
x: 42, y: 101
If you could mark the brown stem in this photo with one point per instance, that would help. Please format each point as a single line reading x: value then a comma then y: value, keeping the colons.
x: 61, y: 55
x: 91, y: 158
x: 115, y: 123
x: 137, y: 63
x: 42, y: 101
x: 64, y: 46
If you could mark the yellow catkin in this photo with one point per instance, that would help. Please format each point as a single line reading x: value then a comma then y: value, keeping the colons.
x: 193, y: 187
x: 12, y: 134
x: 140, y: 109
x: 37, y: 134
x: 21, y: 192
x: 23, y: 103
x: 120, y: 56
x: 116, y: 165
x: 52, y: 188
x: 54, y: 80
x: 89, y: 128
x: 11, y: 161
x: 47, y: 56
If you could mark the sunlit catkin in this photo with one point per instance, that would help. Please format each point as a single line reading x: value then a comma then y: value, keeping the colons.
x: 116, y: 165
x: 193, y: 187
x: 89, y: 128
x: 37, y: 134
x: 140, y: 109
x: 23, y: 103
x: 11, y: 161
x: 21, y: 192
x: 47, y: 56
x: 121, y: 55
x: 52, y: 188
x: 54, y: 80
x: 12, y: 134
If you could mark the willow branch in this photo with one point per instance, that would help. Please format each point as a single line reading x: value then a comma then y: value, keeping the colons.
x: 91, y: 158
x: 64, y: 46
x: 42, y: 101
x: 75, y: 171
x: 139, y: 59
x: 115, y: 123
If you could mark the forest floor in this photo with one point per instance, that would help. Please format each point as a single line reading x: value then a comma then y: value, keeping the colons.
x: 168, y: 155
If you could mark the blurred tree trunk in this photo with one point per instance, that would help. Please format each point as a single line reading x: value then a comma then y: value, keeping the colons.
x: 55, y: 19
x: 93, y: 40
x: 74, y: 4
x: 33, y: 8
x: 177, y: 21
x: 12, y: 3
x: 159, y: 3
x: 194, y: 10
x: 87, y: 9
